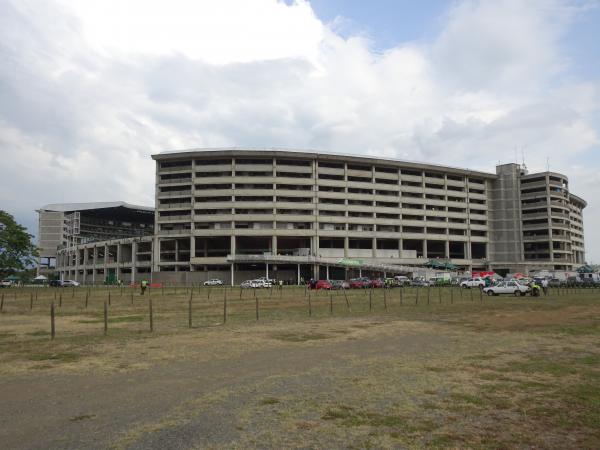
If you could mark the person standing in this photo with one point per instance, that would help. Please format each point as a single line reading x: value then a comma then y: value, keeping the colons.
x: 545, y: 286
x: 143, y: 286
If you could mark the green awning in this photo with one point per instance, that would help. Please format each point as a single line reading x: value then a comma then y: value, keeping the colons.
x: 350, y: 262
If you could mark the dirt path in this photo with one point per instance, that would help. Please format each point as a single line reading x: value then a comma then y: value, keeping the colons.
x: 59, y: 409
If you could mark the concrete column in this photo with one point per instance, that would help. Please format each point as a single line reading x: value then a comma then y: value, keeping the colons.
x: 327, y: 271
x: 192, y: 249
x: 232, y: 244
x: 274, y: 245
x: 298, y: 280
x: 424, y: 248
x: 232, y: 274
x: 346, y: 246
x: 374, y: 245
x: 267, y: 270
x: 447, y: 249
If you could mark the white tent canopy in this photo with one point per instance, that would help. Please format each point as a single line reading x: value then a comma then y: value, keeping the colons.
x: 40, y: 278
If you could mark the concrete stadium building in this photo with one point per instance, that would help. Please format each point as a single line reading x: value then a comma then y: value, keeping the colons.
x: 64, y: 228
x: 236, y: 214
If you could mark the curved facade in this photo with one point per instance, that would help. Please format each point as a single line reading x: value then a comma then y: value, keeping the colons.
x: 236, y: 214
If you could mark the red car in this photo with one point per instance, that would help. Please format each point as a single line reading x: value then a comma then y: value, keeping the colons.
x: 376, y: 283
x: 358, y: 283
x: 323, y: 284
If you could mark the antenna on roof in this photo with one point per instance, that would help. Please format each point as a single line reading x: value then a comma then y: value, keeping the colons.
x: 524, y: 169
x: 547, y: 164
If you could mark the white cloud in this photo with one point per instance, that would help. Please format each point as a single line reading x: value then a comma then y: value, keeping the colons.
x: 90, y: 89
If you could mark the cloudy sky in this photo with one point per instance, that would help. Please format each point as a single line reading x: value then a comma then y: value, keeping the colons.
x: 89, y: 89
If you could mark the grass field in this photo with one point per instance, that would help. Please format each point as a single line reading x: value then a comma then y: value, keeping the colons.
x: 361, y: 369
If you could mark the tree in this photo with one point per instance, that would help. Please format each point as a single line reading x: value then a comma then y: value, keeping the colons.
x: 17, y: 252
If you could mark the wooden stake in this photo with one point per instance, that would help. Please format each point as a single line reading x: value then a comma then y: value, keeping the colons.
x: 256, y: 298
x: 309, y: 306
x: 52, y: 327
x: 384, y: 300
x: 87, y: 295
x: 105, y: 318
x: 151, y: 316
x: 60, y: 300
x: 330, y: 303
x: 190, y: 311
x: 224, y: 306
x: 347, y: 302
x: 31, y: 301
x: 2, y: 303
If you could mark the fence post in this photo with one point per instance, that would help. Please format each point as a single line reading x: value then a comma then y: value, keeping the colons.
x: 451, y: 295
x: 471, y: 293
x: 330, y: 303
x: 31, y: 301
x: 440, y: 294
x: 109, y: 298
x: 256, y: 298
x: 417, y: 296
x: 428, y: 294
x: 52, y: 327
x: 60, y: 300
x: 401, y: 294
x: 87, y: 295
x: 2, y: 303
x: 384, y: 299
x: 105, y: 318
x: 309, y: 306
x: 151, y: 317
x: 225, y: 306
x: 346, y: 298
x: 190, y: 311
x: 370, y: 299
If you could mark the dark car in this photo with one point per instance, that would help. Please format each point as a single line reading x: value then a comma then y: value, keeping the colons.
x: 55, y: 283
x: 339, y: 284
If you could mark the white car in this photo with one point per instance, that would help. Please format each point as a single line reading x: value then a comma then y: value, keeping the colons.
x: 474, y: 282
x: 213, y: 282
x: 250, y: 284
x: 70, y: 283
x: 263, y: 282
x: 6, y: 283
x: 507, y: 287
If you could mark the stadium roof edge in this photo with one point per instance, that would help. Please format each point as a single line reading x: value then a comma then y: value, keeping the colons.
x: 64, y: 207
x: 171, y: 153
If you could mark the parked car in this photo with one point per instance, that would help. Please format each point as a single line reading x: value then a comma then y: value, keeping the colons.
x: 55, y: 283
x: 473, y: 282
x: 507, y: 287
x: 70, y: 283
x: 402, y: 280
x: 359, y: 283
x: 262, y: 283
x: 249, y: 284
x: 555, y: 282
x: 213, y: 282
x: 323, y: 284
x: 420, y: 282
x: 6, y: 283
x: 339, y: 284
x: 376, y: 283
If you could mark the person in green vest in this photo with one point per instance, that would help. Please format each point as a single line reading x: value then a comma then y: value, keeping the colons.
x: 143, y: 286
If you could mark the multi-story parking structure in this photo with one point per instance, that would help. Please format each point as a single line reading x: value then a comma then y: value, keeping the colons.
x: 237, y: 214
